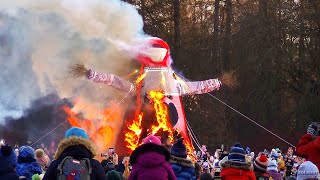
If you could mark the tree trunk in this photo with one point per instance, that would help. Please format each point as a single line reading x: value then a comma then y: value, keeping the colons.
x: 216, y: 32
x: 227, y: 37
x: 177, y: 33
x: 301, y: 33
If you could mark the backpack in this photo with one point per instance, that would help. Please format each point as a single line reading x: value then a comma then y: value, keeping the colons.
x: 74, y: 169
x: 265, y: 176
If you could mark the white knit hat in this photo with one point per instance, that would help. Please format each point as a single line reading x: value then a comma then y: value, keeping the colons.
x: 307, y: 170
x: 272, y: 166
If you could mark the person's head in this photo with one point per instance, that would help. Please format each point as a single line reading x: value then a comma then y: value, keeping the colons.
x: 179, y: 149
x: 113, y: 175
x: 272, y: 166
x: 260, y: 164
x: 308, y: 171
x: 16, y: 151
x: 211, y: 159
x: 42, y: 158
x: 152, y: 139
x: 76, y: 132
x: 205, y: 176
x: 204, y: 148
x: 237, y: 153
x: 26, y: 154
x: 126, y: 160
x: 8, y: 155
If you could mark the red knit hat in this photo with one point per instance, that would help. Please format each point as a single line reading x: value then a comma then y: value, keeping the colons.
x: 261, y: 163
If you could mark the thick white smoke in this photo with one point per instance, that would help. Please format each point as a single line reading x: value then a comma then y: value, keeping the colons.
x: 40, y: 39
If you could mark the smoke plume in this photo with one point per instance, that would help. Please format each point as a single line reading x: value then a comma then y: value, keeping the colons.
x: 40, y: 39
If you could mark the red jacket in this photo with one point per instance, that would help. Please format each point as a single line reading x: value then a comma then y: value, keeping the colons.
x: 309, y: 149
x: 236, y: 171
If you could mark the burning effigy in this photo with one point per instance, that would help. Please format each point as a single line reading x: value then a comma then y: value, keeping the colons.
x: 158, y: 91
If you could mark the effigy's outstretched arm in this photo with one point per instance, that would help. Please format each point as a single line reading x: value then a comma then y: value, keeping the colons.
x: 111, y: 80
x: 201, y: 87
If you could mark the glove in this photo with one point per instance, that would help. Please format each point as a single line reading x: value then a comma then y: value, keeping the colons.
x: 312, y: 129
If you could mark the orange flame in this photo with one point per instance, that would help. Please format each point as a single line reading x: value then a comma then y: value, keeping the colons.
x: 161, y: 114
x: 102, y: 132
x: 133, y: 135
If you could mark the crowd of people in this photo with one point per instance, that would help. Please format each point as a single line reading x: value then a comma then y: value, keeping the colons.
x: 152, y: 160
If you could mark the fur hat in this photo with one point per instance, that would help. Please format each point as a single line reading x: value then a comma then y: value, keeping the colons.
x: 9, y: 155
x: 260, y: 164
x: 179, y: 149
x: 75, y: 131
x: 152, y: 139
x: 307, y: 170
x: 272, y: 166
x: 237, y: 153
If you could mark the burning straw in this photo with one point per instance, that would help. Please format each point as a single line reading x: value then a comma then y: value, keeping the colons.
x: 229, y: 79
x: 78, y: 70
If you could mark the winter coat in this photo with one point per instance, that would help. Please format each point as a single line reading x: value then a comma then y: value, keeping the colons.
x: 151, y: 161
x: 77, y: 148
x: 27, y: 166
x: 7, y: 172
x: 309, y: 149
x: 183, y: 168
x: 275, y: 175
x: 236, y: 170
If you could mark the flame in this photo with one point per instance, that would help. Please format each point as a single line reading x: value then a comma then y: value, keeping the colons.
x: 140, y: 78
x: 133, y: 135
x: 103, y: 131
x: 190, y: 150
x: 161, y: 114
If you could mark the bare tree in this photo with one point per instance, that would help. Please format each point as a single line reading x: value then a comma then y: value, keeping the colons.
x: 177, y: 33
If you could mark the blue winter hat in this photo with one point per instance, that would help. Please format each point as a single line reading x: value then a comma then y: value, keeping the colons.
x: 75, y: 131
x: 7, y: 153
x: 179, y: 149
x: 26, y: 152
x: 237, y: 153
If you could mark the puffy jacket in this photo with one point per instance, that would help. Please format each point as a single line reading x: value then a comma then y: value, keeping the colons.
x: 184, y: 169
x: 77, y: 148
x: 236, y: 170
x: 309, y: 148
x: 151, y: 161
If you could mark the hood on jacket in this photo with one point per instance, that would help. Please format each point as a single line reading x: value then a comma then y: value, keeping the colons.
x: 72, y: 142
x: 145, y: 152
x: 236, y: 165
x: 181, y: 161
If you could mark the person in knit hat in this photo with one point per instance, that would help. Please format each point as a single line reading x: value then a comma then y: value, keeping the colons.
x: 113, y: 175
x: 27, y: 165
x: 260, y: 165
x: 272, y: 170
x: 235, y: 166
x: 8, y: 163
x: 309, y: 145
x: 42, y: 158
x: 77, y: 145
x: 151, y: 161
x: 182, y: 166
x: 308, y: 171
